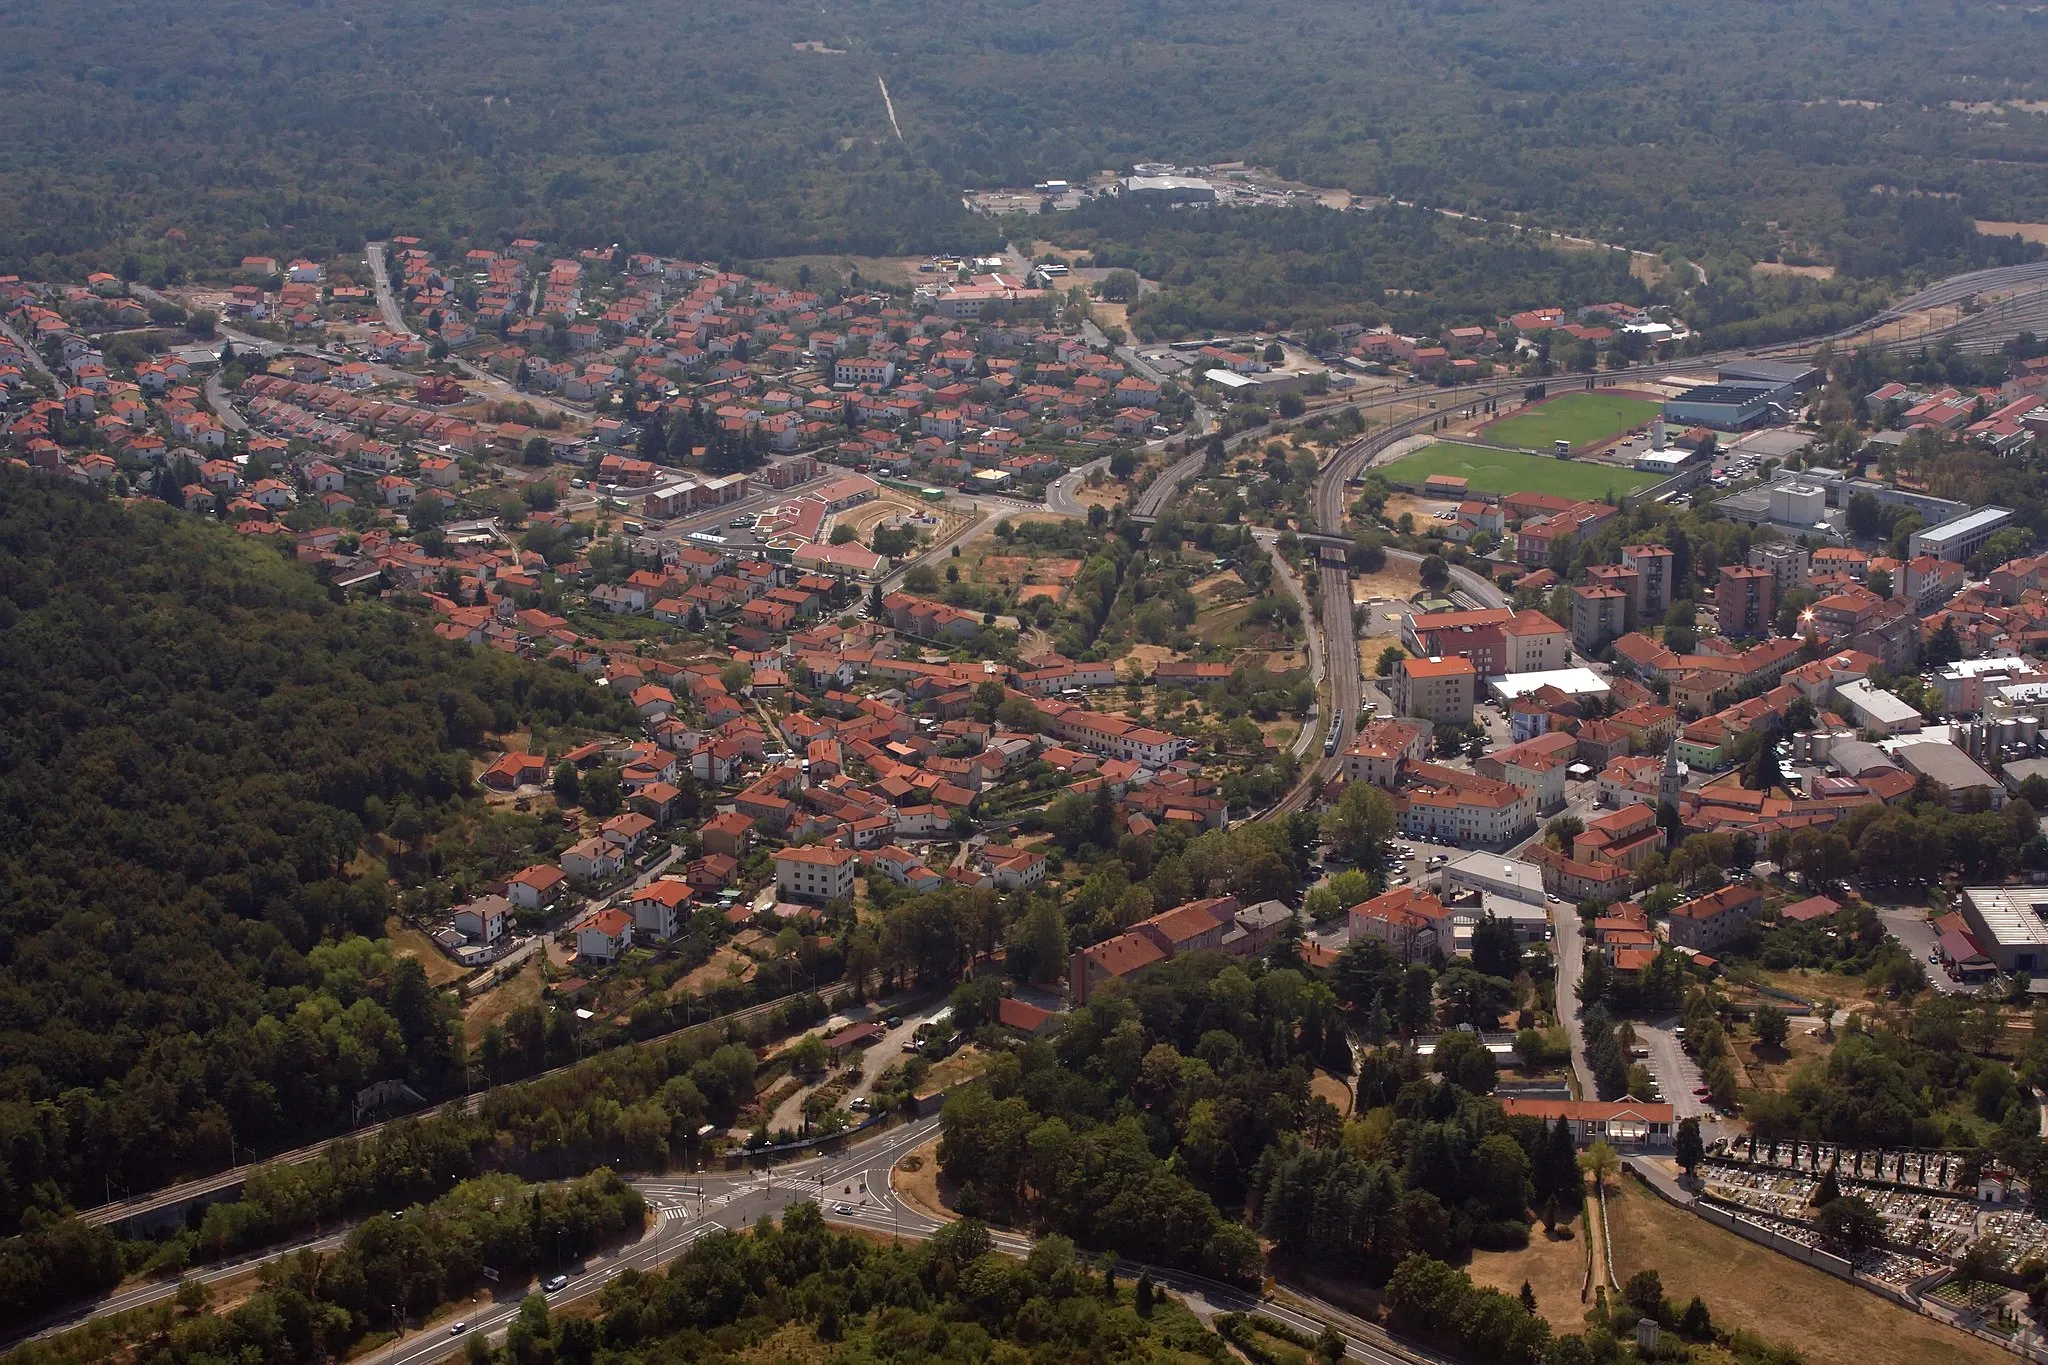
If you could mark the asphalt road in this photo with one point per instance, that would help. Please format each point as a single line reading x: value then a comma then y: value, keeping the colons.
x: 853, y: 1190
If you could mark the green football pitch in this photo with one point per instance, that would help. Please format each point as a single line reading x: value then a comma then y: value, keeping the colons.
x: 1581, y: 418
x: 1505, y: 471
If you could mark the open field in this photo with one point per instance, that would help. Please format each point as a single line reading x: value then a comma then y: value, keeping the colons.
x: 1826, y: 1320
x: 1553, y: 1270
x: 408, y: 942
x: 1581, y: 418
x: 1811, y: 272
x: 2032, y: 232
x: 1505, y: 471
x: 1397, y: 579
x: 495, y: 1005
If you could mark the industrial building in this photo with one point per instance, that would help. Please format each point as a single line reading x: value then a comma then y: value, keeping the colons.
x: 1724, y: 407
x: 1743, y: 395
x: 1790, y: 376
x: 1962, y: 537
x: 2009, y: 924
x: 1168, y: 189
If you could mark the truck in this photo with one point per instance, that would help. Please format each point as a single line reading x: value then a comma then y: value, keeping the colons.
x: 1562, y: 448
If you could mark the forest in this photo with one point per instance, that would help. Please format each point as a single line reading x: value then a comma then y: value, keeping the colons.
x: 199, y: 753
x: 189, y: 137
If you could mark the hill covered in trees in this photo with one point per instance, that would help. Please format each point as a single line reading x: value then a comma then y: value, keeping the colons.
x: 194, y: 743
x: 193, y: 135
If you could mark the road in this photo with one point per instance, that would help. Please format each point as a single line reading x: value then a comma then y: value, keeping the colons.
x: 852, y: 1189
x: 1311, y: 734
x: 34, y: 357
x: 157, y: 1291
x: 217, y: 399
x: 1567, y: 939
x: 227, y: 1179
x: 394, y: 318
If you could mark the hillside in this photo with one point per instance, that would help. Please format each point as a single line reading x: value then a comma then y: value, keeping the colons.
x: 193, y: 740
x: 1825, y: 131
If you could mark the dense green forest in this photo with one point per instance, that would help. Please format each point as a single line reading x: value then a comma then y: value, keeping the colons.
x: 1742, y: 131
x: 195, y: 743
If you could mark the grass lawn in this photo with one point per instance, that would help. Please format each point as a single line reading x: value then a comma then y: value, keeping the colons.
x: 1826, y: 1320
x: 1505, y: 471
x: 1581, y: 418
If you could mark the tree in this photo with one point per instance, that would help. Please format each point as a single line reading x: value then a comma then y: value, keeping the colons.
x: 1390, y: 658
x: 1528, y: 1298
x: 1463, y: 1060
x: 1764, y: 773
x: 1696, y: 1322
x: 1494, y: 949
x: 1879, y: 581
x: 1118, y: 286
x: 1850, y: 1223
x: 602, y: 792
x: 1359, y: 825
x: 1827, y: 1191
x: 1601, y: 1162
x: 843, y: 534
x: 568, y: 786
x: 1644, y: 1292
x: 1688, y: 1147
x: 1772, y: 1026
x: 1435, y: 573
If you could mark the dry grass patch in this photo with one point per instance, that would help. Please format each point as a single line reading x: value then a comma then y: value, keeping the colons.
x: 1424, y: 510
x: 961, y: 1067
x: 1333, y: 1090
x: 410, y: 942
x: 1811, y: 272
x: 2032, y: 232
x: 1396, y: 580
x: 1826, y: 1320
x: 1554, y: 1271
x: 917, y: 1181
x: 495, y: 1005
x: 724, y: 965
x: 1150, y: 657
x: 1768, y: 1068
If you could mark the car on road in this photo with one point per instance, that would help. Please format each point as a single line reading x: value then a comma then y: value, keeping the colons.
x: 842, y: 1208
x: 556, y: 1282
x: 458, y: 1329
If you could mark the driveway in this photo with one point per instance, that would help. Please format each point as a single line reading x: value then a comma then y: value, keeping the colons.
x: 1565, y: 942
x: 1917, y: 936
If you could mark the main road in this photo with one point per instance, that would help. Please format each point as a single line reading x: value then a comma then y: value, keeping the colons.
x: 853, y: 1189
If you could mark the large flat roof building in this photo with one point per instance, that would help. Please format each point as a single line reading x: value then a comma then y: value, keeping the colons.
x: 1962, y: 537
x: 1169, y: 189
x: 1725, y: 407
x: 2010, y: 924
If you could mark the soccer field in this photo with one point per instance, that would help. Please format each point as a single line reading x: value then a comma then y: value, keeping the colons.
x: 1581, y: 418
x: 1505, y: 471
